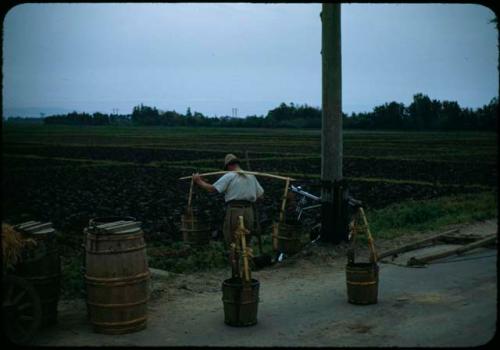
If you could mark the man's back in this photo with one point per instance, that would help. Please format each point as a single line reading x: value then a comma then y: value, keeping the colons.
x: 239, y: 187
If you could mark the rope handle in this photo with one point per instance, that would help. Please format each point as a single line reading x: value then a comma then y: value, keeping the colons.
x: 371, y: 245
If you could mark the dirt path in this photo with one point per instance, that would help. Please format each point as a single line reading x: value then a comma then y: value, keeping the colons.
x: 303, y: 302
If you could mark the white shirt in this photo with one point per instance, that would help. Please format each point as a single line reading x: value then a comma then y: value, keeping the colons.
x: 239, y: 187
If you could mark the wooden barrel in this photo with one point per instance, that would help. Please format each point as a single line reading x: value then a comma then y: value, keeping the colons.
x: 240, y: 302
x: 41, y: 266
x: 195, y: 231
x: 289, y: 238
x: 94, y: 222
x: 117, y: 276
x: 362, y: 283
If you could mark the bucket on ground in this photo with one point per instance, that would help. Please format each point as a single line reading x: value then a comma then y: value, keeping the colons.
x: 241, y: 302
x: 116, y: 275
x: 361, y: 277
x: 41, y: 266
x: 362, y: 283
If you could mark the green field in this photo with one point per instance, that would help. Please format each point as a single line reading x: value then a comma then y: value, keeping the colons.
x: 69, y: 174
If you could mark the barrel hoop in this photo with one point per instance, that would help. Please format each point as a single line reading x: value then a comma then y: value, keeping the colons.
x: 195, y: 230
x: 116, y: 284
x: 120, y: 280
x: 359, y: 271
x: 137, y: 320
x: 289, y: 238
x: 195, y: 227
x: 121, y: 330
x: 45, y: 277
x: 116, y: 251
x: 113, y: 237
x: 231, y: 301
x: 143, y: 301
x: 361, y: 283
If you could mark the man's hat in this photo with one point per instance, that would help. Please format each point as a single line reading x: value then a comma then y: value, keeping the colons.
x: 229, y: 159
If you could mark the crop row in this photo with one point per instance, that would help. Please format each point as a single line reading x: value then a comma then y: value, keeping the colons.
x: 168, y: 154
x: 466, y: 173
x: 70, y: 195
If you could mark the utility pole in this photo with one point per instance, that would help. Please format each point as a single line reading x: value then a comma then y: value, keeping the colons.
x: 333, y: 208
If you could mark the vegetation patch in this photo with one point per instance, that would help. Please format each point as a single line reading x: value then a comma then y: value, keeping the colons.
x: 429, y: 215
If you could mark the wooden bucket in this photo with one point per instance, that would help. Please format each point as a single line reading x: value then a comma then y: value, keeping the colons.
x: 195, y: 231
x: 288, y: 237
x: 362, y: 278
x: 362, y: 283
x: 240, y: 303
x: 41, y: 266
x: 117, y: 276
x: 94, y: 222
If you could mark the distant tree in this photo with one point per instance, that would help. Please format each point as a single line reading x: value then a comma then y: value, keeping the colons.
x: 389, y: 116
x: 449, y: 116
x: 144, y: 115
x: 423, y: 111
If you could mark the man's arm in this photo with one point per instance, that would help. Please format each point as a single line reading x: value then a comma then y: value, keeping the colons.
x: 203, y: 184
x: 260, y: 190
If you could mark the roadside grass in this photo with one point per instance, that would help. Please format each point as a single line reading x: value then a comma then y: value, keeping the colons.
x: 181, y: 258
x: 72, y: 281
x: 430, y: 215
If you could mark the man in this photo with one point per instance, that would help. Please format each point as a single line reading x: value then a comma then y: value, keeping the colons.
x: 240, y: 193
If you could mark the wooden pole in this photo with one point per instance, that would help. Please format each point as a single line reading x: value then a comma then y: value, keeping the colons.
x: 422, y: 260
x: 190, y: 195
x: 283, y: 202
x: 414, y: 245
x: 242, y: 172
x: 234, y: 261
x: 370, y: 238
x: 242, y: 233
x: 331, y: 131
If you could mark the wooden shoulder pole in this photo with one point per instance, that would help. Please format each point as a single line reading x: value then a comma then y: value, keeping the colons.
x: 256, y: 173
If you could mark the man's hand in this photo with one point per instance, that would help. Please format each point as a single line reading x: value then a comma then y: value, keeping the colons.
x: 197, y: 178
x: 200, y: 182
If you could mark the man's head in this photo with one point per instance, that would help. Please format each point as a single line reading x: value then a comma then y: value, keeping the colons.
x: 231, y: 162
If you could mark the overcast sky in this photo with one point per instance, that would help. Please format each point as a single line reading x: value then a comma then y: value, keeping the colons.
x: 213, y: 57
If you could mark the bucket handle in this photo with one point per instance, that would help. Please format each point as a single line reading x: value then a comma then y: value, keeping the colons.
x: 371, y: 245
x: 190, y: 197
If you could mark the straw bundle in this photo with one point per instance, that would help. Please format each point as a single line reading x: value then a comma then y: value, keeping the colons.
x: 13, y: 244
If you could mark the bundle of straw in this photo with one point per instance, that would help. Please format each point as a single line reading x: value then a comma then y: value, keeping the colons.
x: 13, y: 244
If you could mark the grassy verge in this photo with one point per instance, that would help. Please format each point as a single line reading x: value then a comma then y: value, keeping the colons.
x: 181, y: 258
x: 428, y: 215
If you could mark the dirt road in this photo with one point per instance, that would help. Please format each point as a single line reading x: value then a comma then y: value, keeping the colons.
x: 303, y: 302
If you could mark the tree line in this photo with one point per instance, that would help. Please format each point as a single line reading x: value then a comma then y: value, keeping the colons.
x: 423, y: 113
x: 76, y: 118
